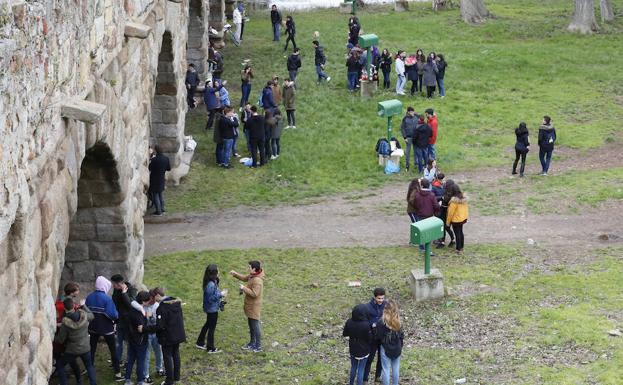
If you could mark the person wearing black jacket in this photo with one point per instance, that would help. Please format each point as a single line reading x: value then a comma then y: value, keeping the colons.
x: 158, y: 166
x: 441, y: 72
x: 291, y: 32
x: 228, y: 127
x: 423, y: 132
x: 137, y: 340
x: 275, y: 19
x: 320, y: 60
x: 386, y: 66
x: 294, y: 63
x: 169, y: 329
x: 192, y: 81
x: 390, y: 336
x: 123, y: 295
x: 375, y: 314
x: 407, y: 128
x: 521, y: 148
x: 359, y: 334
x: 353, y: 68
x: 256, y: 127
x: 547, y: 138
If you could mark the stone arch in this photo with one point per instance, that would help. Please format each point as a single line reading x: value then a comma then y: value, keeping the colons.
x: 99, y: 240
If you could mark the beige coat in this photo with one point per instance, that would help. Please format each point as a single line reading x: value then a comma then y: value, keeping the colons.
x: 253, y: 293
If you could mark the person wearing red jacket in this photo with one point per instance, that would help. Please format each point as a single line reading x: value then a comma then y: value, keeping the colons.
x: 72, y: 290
x: 432, y: 122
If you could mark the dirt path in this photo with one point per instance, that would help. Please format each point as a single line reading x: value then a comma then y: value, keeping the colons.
x: 341, y: 221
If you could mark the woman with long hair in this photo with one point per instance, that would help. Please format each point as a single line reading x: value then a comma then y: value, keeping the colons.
x: 441, y: 67
x: 391, y: 337
x: 412, y: 191
x: 386, y: 66
x: 521, y: 148
x: 458, y: 212
x: 430, y: 75
x: 421, y: 61
x: 212, y: 298
x: 443, y: 214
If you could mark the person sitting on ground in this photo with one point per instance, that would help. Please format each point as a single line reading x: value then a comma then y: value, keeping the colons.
x: 430, y: 172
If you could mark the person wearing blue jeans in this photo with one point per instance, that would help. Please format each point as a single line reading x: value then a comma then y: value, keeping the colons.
x: 320, y: 60
x: 421, y: 139
x: 227, y: 126
x: 275, y: 19
x: 357, y: 366
x: 441, y: 67
x: 152, y: 341
x: 357, y: 329
x: 246, y: 74
x: 352, y: 63
x: 421, y: 156
x: 391, y: 337
x: 547, y: 138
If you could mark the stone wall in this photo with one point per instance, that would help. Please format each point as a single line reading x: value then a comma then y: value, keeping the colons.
x: 74, y: 174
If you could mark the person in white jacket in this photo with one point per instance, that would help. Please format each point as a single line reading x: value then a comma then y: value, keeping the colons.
x: 238, y: 22
x: 400, y: 71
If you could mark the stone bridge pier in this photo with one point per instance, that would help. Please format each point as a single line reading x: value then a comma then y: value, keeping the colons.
x: 85, y: 88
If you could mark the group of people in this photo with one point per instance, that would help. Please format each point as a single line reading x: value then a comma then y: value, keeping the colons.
x: 420, y: 133
x: 423, y: 71
x: 546, y: 141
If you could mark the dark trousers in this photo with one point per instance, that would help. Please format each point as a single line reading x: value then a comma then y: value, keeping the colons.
x: 443, y: 214
x: 291, y: 119
x: 458, y: 232
x: 292, y: 74
x: 209, y: 327
x: 110, y: 341
x: 374, y: 349
x: 274, y: 143
x: 68, y: 358
x: 136, y: 353
x: 420, y: 82
x: 522, y: 155
x: 172, y: 363
x: 290, y: 38
x: 385, y: 79
x: 257, y: 145
x: 241, y: 29
x: 267, y: 149
x: 190, y: 96
x: 413, y: 89
x: 545, y: 156
x: 255, y: 333
x: 430, y: 91
x: 211, y: 116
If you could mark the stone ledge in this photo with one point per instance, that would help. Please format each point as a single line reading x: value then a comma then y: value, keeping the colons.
x: 137, y: 30
x: 82, y: 110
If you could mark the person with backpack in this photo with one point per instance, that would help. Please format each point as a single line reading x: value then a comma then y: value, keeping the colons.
x: 421, y: 139
x: 357, y: 329
x: 73, y: 334
x: 289, y: 97
x: 253, y: 293
x: 458, y: 213
x: 407, y: 129
x: 293, y: 64
x: 320, y: 60
x: 291, y: 32
x: 212, y: 303
x: 547, y: 138
x: 521, y: 148
x: 391, y: 338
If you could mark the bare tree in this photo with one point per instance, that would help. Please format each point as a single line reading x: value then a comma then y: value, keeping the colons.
x: 474, y: 11
x: 584, y: 17
x: 607, y: 14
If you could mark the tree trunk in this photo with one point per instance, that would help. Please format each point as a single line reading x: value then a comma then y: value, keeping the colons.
x: 584, y: 17
x: 607, y: 14
x: 474, y: 11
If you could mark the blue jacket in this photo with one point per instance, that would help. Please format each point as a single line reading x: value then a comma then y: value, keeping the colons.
x: 211, y: 298
x: 375, y: 312
x: 267, y: 98
x: 224, y: 94
x: 210, y: 99
x: 104, y: 312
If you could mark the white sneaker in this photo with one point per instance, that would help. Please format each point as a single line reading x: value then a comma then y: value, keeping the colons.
x: 294, y: 127
x: 287, y: 127
x: 328, y: 78
x: 272, y: 157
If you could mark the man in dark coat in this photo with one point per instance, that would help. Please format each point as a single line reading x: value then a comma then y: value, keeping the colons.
x: 192, y: 81
x: 123, y: 295
x: 158, y: 166
x: 275, y: 19
x: 547, y: 138
x: 320, y: 60
x: 256, y: 127
x: 422, y: 136
x: 294, y: 63
x: 375, y: 315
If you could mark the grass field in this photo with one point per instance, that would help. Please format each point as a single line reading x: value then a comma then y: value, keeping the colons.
x: 516, y: 67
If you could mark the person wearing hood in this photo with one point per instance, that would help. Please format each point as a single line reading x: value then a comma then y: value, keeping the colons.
x: 521, y: 148
x: 103, y: 324
x: 268, y: 101
x: 357, y: 329
x: 253, y: 292
x: 74, y: 335
x: 169, y: 329
x: 237, y: 19
x: 407, y: 128
x: 294, y: 63
x: 547, y: 138
x: 375, y: 314
x: 458, y: 212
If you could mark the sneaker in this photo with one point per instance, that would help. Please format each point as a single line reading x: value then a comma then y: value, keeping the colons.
x: 544, y: 174
x: 127, y: 382
x: 157, y: 214
x: 328, y: 79
x: 214, y: 351
x: 272, y: 157
x: 257, y: 349
x: 161, y: 373
x: 119, y: 377
x: 247, y: 347
x: 237, y: 155
x: 148, y: 380
x: 440, y: 245
x: 202, y: 347
x: 294, y: 127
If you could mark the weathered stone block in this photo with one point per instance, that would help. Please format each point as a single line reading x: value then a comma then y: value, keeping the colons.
x: 170, y: 117
x: 109, y: 251
x: 170, y: 145
x: 166, y: 102
x: 137, y: 30
x: 77, y: 251
x: 106, y: 199
x: 111, y: 233
x: 82, y: 110
x: 426, y: 286
x: 165, y: 130
x: 82, y: 232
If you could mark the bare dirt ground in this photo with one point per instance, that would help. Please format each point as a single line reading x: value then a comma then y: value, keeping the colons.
x: 355, y: 219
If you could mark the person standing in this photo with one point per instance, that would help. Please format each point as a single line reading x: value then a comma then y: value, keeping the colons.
x: 137, y: 341
x: 521, y: 148
x: 426, y: 204
x: 547, y: 138
x: 412, y: 191
x: 253, y: 292
x: 291, y: 32
x: 276, y: 127
x: 420, y: 62
x: 268, y: 101
x: 400, y: 72
x: 150, y: 309
x: 246, y: 114
x: 458, y: 213
x: 244, y: 16
x: 256, y: 127
x: 275, y: 19
x: 211, y: 101
x: 430, y: 75
x: 158, y: 166
x: 407, y: 129
x: 74, y: 336
x: 294, y: 63
x: 70, y: 290
x: 357, y: 329
x: 289, y: 97
x: 353, y: 68
x: 375, y: 314
x: 441, y: 73
x: 237, y: 19
x: 391, y: 337
x: 192, y: 81
x: 246, y: 74
x: 212, y: 298
x: 123, y: 295
x: 422, y: 136
x: 169, y: 329
x: 320, y: 60
x: 276, y: 88
x: 103, y: 324
x: 219, y: 66
x: 443, y: 214
x: 431, y: 119
x: 228, y: 125
x: 386, y: 67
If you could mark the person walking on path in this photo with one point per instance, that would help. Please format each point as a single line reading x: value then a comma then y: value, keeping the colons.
x: 407, y: 129
x: 521, y: 148
x: 103, y: 324
x: 400, y: 72
x: 291, y: 32
x: 169, y: 329
x: 431, y: 119
x: 289, y: 98
x: 158, y: 166
x: 421, y: 139
x: 357, y: 329
x: 246, y: 74
x: 391, y: 338
x: 320, y: 60
x: 458, y: 213
x: 212, y: 299
x: 294, y: 63
x: 375, y: 314
x: 547, y: 138
x: 256, y: 127
x: 237, y: 18
x: 386, y: 67
x: 74, y: 336
x: 253, y: 292
x: 275, y: 19
x: 192, y: 81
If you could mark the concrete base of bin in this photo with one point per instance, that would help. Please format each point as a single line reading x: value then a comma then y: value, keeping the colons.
x: 346, y: 7
x: 401, y: 5
x: 368, y: 88
x: 426, y: 286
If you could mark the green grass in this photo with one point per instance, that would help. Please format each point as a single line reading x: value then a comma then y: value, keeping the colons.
x: 503, y: 324
x: 516, y: 67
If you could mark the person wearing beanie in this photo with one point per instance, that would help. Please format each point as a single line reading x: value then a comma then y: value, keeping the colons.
x: 103, y: 324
